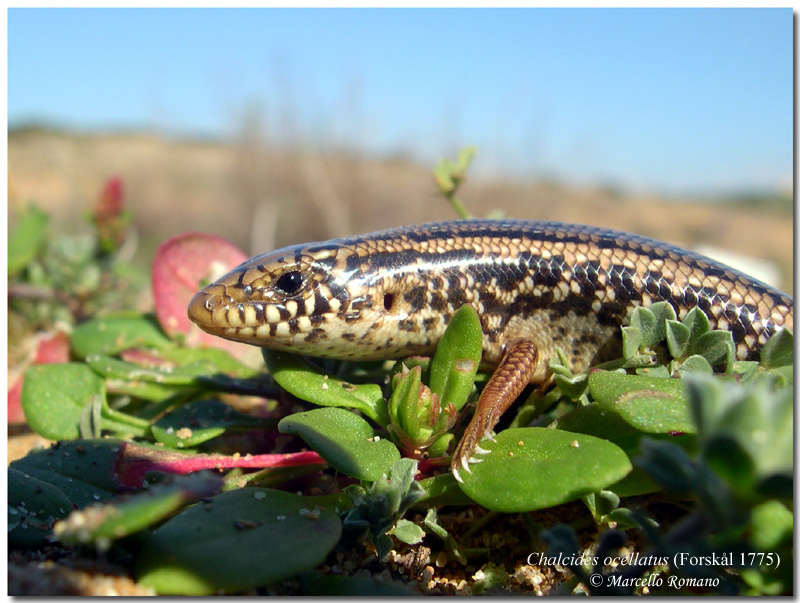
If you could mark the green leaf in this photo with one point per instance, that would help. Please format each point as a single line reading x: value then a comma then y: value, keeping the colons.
x: 440, y: 446
x: 772, y: 525
x: 443, y: 490
x: 100, y: 525
x: 655, y: 412
x: 697, y: 321
x: 663, y: 312
x: 574, y: 386
x: 623, y: 518
x: 677, y: 338
x: 314, y: 385
x: 600, y: 422
x: 731, y: 461
x: 403, y: 483
x: 650, y: 404
x: 779, y: 376
x: 116, y: 369
x: 632, y: 340
x: 33, y: 506
x: 383, y: 544
x: 239, y: 540
x: 745, y: 370
x: 378, y: 507
x: 200, y: 421
x: 25, y: 241
x: 54, y: 395
x: 449, y: 176
x: 601, y: 503
x: 146, y: 390
x: 344, y: 440
x: 595, y: 420
x: 431, y: 522
x: 779, y: 350
x: 535, y: 468
x: 208, y: 361
x: 91, y: 421
x: 457, y: 357
x: 84, y: 470
x: 698, y: 324
x: 695, y: 364
x: 68, y: 401
x: 571, y: 385
x: 716, y: 347
x: 403, y: 406
x: 644, y: 320
x: 418, y: 418
x: 668, y: 464
x: 748, y: 419
x: 113, y: 334
x: 407, y: 531
x: 464, y: 159
x: 442, y: 173
x: 764, y: 582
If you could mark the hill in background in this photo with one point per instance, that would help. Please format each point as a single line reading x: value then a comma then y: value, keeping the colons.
x: 262, y: 197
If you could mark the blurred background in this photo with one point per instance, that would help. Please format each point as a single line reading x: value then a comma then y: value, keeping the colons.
x: 270, y: 127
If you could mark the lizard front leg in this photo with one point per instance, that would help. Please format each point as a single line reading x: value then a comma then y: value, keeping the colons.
x: 509, y: 379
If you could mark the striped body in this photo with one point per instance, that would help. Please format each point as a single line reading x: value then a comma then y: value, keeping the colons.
x: 390, y: 294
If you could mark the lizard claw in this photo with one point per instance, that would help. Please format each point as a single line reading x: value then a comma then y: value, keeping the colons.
x: 465, y: 459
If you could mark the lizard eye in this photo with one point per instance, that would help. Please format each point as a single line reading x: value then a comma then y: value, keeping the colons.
x: 289, y: 283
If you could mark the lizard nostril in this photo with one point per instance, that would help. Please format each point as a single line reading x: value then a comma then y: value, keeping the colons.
x: 202, y: 306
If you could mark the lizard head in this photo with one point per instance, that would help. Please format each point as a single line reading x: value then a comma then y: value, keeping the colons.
x: 316, y: 300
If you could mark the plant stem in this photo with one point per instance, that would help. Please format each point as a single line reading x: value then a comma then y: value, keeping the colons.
x: 458, y: 206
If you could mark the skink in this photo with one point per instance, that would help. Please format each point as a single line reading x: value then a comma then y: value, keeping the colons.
x: 535, y: 285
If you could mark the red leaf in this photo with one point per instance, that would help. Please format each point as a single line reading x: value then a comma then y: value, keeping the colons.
x: 184, y: 265
x: 136, y: 461
x: 15, y: 414
x: 111, y: 200
x: 51, y: 348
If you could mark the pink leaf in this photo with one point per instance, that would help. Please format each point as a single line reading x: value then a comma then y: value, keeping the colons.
x: 136, y: 461
x: 111, y: 202
x: 184, y: 265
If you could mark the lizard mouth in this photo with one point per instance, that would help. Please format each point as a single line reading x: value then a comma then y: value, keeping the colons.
x: 248, y: 321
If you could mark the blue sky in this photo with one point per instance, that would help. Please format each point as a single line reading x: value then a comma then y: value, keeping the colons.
x: 671, y: 101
